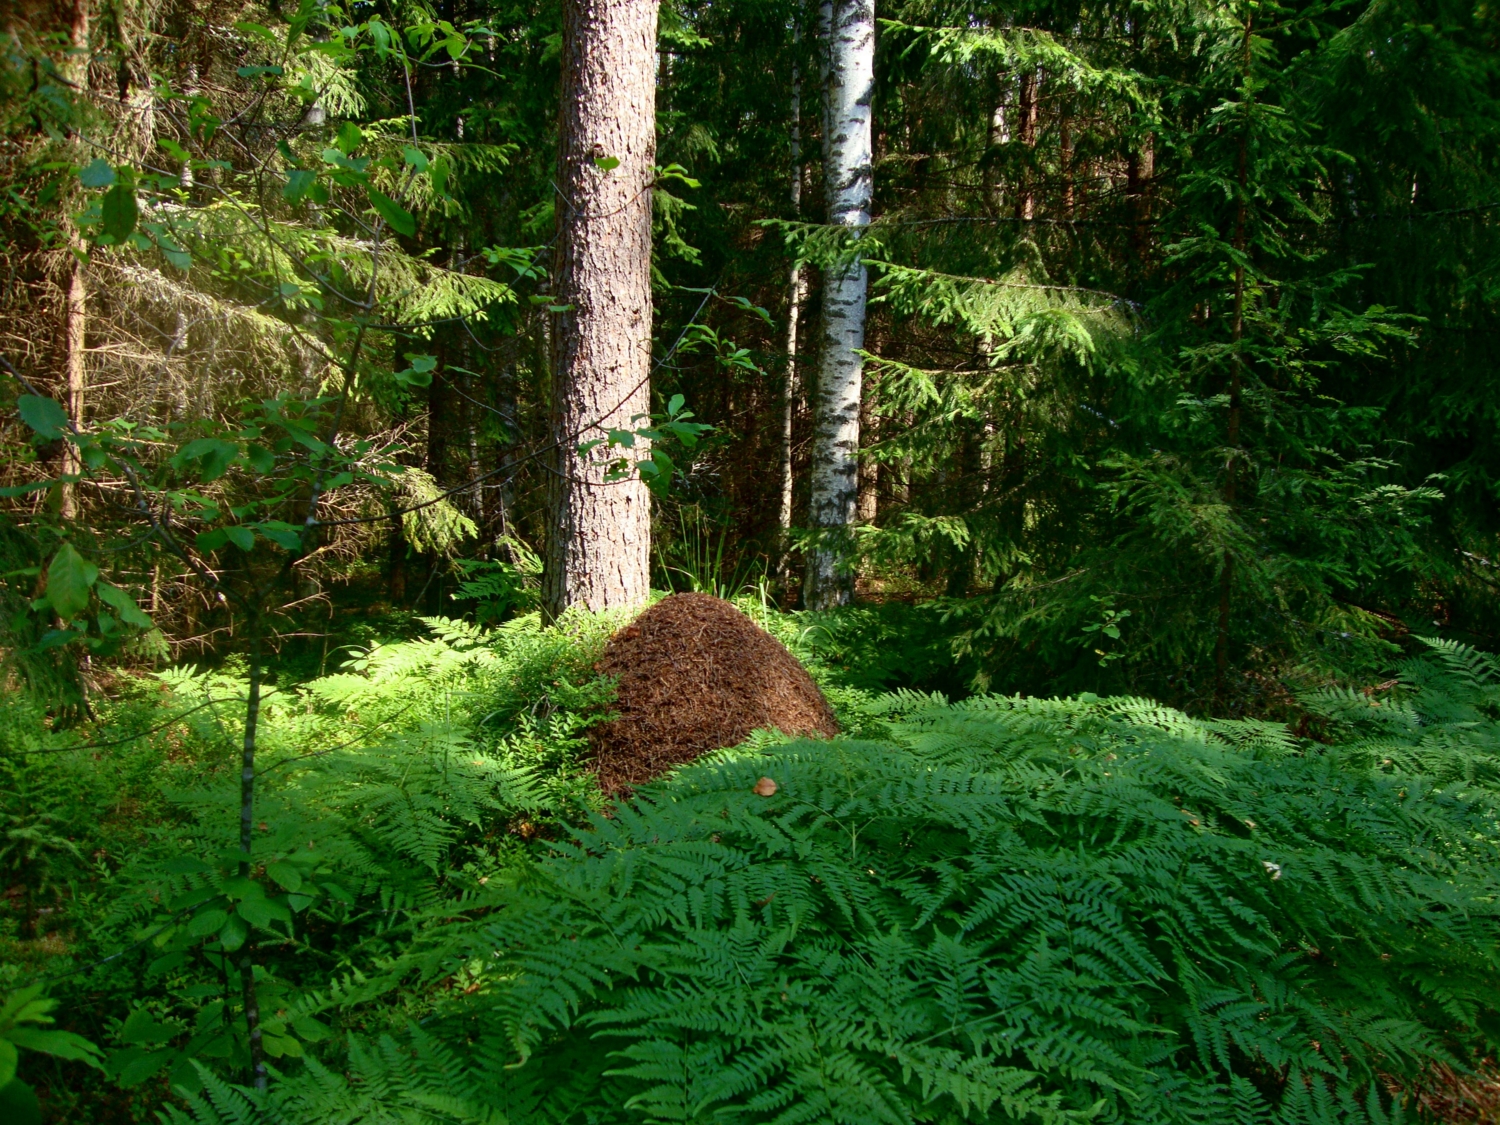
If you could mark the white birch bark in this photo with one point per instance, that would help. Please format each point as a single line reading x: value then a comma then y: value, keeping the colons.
x: 848, y: 177
x: 796, y: 291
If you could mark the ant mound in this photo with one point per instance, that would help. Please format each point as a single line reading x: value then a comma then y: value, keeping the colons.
x: 695, y: 674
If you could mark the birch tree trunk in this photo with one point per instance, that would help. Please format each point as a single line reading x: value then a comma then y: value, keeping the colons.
x: 599, y: 534
x: 796, y: 292
x: 848, y: 175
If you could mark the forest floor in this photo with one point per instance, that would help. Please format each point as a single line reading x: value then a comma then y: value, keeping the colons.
x: 1175, y: 918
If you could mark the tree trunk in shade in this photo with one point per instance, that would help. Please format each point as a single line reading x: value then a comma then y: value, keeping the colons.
x: 1030, y: 90
x: 76, y: 310
x: 867, y: 510
x: 848, y: 28
x: 796, y: 294
x: 599, y: 534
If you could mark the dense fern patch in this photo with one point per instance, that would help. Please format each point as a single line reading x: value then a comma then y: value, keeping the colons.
x: 1001, y: 910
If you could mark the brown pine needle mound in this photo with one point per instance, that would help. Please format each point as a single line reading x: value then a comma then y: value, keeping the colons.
x: 696, y: 674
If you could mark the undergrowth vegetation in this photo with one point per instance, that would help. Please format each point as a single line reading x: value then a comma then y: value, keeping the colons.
x: 996, y: 909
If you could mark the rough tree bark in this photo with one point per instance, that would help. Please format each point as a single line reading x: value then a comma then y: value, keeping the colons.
x: 1029, y: 92
x: 848, y: 177
x: 599, y: 541
x: 1139, y: 171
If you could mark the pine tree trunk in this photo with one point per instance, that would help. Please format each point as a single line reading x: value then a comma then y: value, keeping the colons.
x: 1030, y: 89
x: 1065, y: 165
x: 1139, y: 170
x: 848, y: 179
x: 599, y: 543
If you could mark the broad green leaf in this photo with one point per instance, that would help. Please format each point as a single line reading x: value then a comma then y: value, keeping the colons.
x: 192, y: 898
x: 70, y: 577
x: 233, y: 935
x: 299, y: 182
x: 261, y: 912
x: 213, y: 457
x: 165, y: 964
x: 176, y: 256
x: 349, y: 137
x: 8, y: 1059
x: 58, y: 1044
x: 241, y: 537
x: 285, y: 874
x: 119, y: 212
x: 209, y: 922
x: 242, y: 886
x: 96, y: 174
x: 11, y: 491
x: 133, y: 1066
x: 246, y: 27
x: 284, y: 535
x: 310, y: 1029
x: 441, y: 169
x: 415, y: 157
x: 261, y: 459
x: 606, y: 163
x: 392, y: 212
x: 123, y: 604
x: 25, y: 1004
x: 278, y: 1045
x: 419, y: 373
x: 43, y: 415
x: 185, y: 1076
x: 141, y: 1028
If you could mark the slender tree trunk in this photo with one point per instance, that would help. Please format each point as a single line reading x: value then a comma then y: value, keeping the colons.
x: 247, y: 831
x: 867, y: 507
x: 1139, y: 170
x: 191, y: 89
x: 599, y: 542
x: 796, y: 292
x: 76, y: 311
x: 1030, y: 89
x: 849, y: 178
x: 502, y: 493
x: 1065, y: 165
x: 999, y: 135
x: 1236, y: 388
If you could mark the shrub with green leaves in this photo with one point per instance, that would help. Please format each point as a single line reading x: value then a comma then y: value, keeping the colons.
x: 387, y: 792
